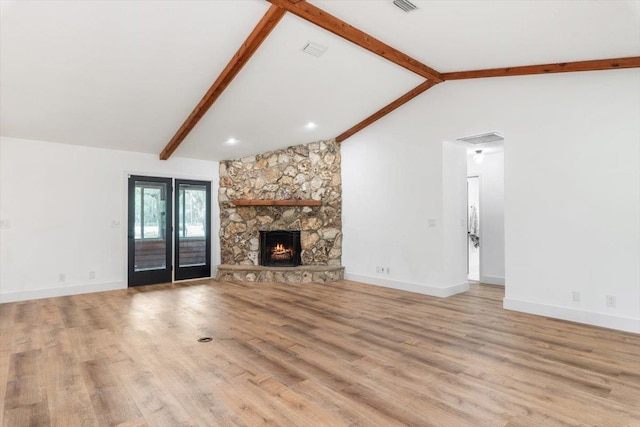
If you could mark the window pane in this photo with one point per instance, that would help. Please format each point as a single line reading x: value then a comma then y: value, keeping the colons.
x: 194, y: 211
x: 149, y: 228
x: 153, y: 210
x: 137, y: 227
x: 192, y: 227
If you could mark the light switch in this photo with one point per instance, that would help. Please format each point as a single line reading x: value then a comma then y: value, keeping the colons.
x: 431, y: 222
x: 5, y: 224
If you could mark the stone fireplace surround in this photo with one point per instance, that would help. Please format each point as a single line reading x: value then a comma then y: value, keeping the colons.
x: 306, y: 176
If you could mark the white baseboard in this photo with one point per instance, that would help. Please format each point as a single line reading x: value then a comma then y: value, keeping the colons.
x: 433, y: 291
x: 492, y: 280
x: 60, y: 292
x: 604, y: 320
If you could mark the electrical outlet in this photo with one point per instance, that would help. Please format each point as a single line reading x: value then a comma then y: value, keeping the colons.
x: 92, y: 275
x: 611, y: 301
x: 61, y: 278
x: 576, y: 296
x: 5, y: 224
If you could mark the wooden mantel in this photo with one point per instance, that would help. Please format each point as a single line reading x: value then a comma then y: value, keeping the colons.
x: 255, y: 202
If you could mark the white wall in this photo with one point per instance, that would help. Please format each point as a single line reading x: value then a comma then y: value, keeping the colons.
x: 67, y: 212
x: 491, y: 173
x: 572, y: 189
x: 392, y: 190
x: 454, y: 215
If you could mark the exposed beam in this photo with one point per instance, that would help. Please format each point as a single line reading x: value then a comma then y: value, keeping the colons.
x: 340, y: 28
x: 242, y: 56
x: 600, y: 64
x: 564, y: 67
x: 386, y: 110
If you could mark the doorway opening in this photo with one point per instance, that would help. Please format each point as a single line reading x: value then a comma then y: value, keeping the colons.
x: 485, y: 209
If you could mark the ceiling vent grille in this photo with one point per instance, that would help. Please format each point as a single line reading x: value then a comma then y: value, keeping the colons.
x: 484, y: 138
x: 314, y: 49
x: 405, y: 5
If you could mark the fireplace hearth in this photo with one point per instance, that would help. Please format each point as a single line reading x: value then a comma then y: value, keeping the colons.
x: 280, y: 248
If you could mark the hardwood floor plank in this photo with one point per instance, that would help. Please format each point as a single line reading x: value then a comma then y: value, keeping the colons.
x: 67, y: 397
x: 112, y: 404
x: 354, y: 412
x: 293, y: 406
x: 26, y: 400
x: 35, y: 414
x: 342, y: 354
x: 201, y: 394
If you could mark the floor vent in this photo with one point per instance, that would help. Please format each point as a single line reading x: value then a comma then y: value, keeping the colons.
x: 205, y: 339
x: 405, y: 5
x: 483, y: 138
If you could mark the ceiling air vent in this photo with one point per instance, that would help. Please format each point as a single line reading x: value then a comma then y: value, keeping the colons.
x: 483, y: 138
x: 405, y: 5
x: 314, y: 49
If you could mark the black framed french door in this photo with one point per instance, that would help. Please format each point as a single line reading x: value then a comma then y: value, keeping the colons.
x: 149, y: 230
x: 192, y: 238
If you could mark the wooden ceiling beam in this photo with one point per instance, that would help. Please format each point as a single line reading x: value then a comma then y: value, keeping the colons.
x: 386, y: 110
x: 317, y: 16
x: 564, y: 67
x: 340, y: 28
x: 600, y: 64
x: 242, y: 56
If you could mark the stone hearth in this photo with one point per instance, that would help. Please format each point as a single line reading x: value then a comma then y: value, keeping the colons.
x: 300, y: 274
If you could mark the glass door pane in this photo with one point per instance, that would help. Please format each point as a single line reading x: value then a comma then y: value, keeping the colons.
x: 149, y: 230
x: 193, y: 237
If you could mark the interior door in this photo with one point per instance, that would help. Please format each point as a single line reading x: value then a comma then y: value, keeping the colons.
x: 193, y: 229
x: 150, y: 230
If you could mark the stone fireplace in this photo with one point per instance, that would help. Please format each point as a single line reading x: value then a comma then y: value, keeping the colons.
x: 297, y: 189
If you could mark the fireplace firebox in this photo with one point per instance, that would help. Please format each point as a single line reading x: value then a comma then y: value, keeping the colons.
x: 280, y: 248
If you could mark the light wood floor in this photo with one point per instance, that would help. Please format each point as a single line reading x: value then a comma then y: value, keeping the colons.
x: 307, y: 355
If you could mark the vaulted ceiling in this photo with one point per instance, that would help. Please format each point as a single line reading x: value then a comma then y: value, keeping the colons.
x: 126, y: 75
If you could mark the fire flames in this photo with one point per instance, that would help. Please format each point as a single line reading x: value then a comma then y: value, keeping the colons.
x: 280, y: 252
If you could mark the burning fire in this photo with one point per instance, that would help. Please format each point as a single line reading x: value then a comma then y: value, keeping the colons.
x: 279, y: 251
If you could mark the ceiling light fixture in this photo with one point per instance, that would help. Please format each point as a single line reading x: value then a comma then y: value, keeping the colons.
x: 314, y: 49
x: 311, y: 125
x: 478, y: 157
x: 231, y: 141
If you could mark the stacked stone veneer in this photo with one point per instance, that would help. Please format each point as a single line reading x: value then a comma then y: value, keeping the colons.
x: 302, y: 172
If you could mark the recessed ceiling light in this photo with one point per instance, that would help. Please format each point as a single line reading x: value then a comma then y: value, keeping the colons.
x: 314, y: 49
x: 311, y: 125
x: 231, y: 141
